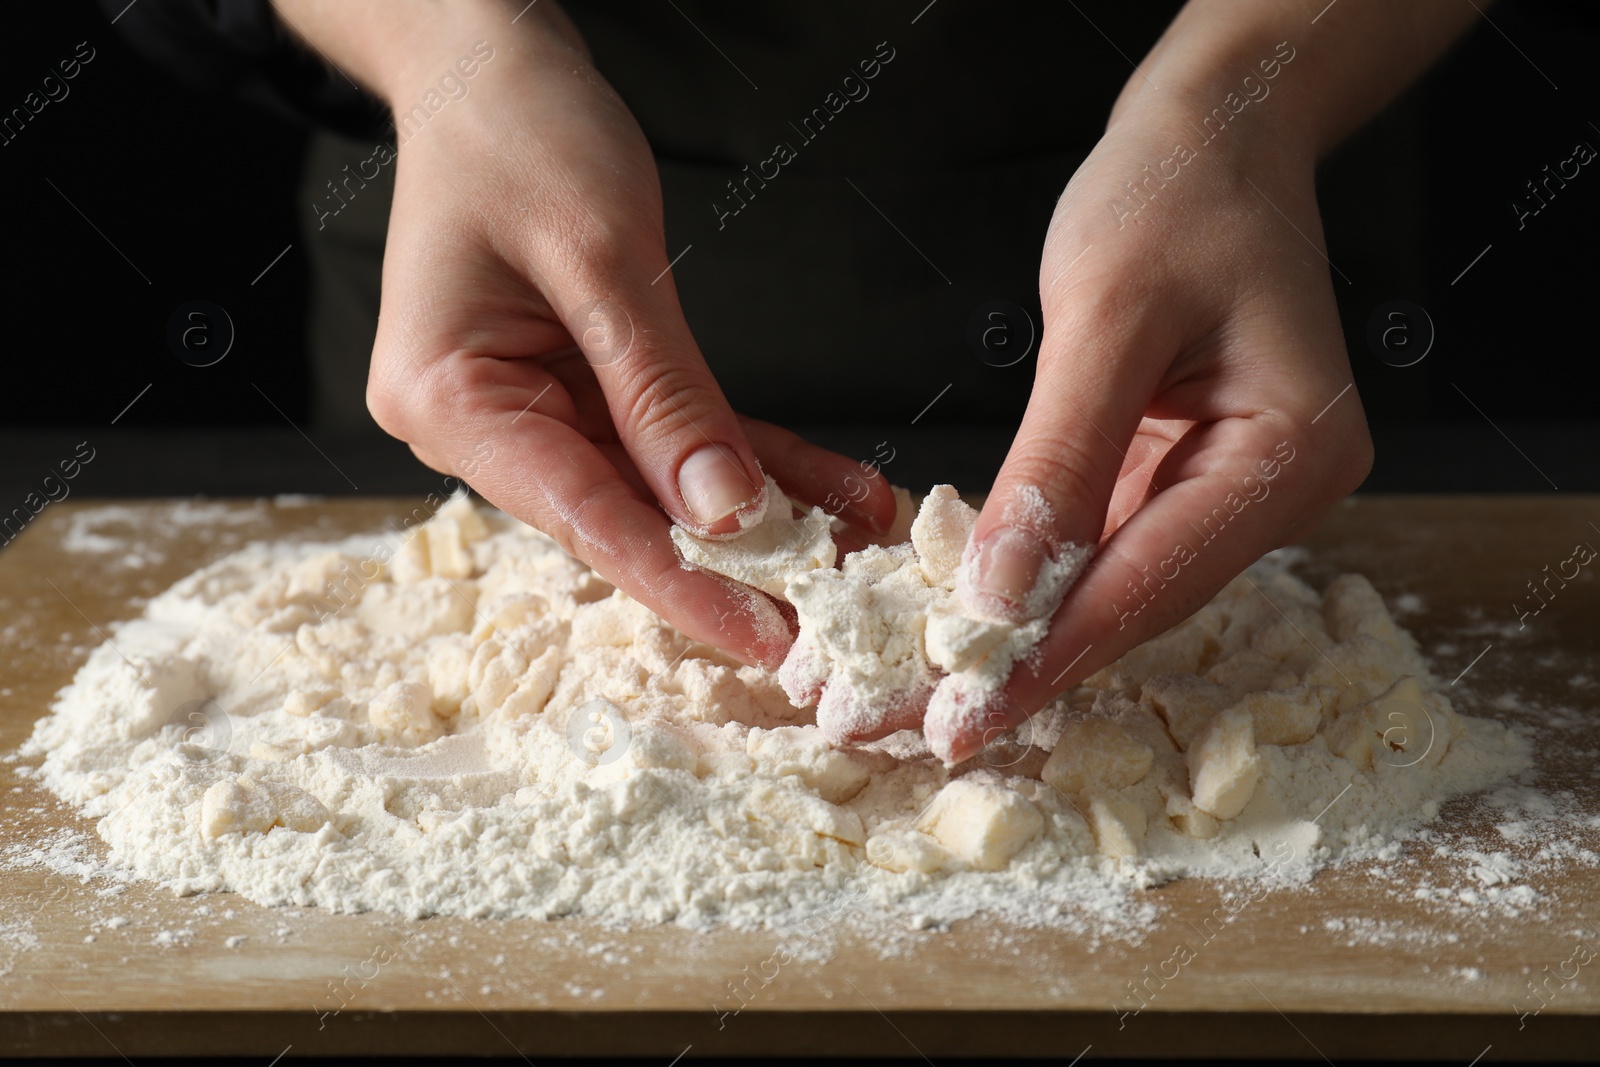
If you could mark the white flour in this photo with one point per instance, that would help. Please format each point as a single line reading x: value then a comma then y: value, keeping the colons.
x: 469, y: 722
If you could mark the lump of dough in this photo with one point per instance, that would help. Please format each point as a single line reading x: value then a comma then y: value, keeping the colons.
x: 449, y: 535
x: 1189, y: 819
x: 303, y: 702
x: 1224, y: 766
x: 249, y: 805
x: 940, y: 533
x: 1171, y: 774
x: 1096, y: 754
x: 863, y: 634
x: 514, y: 673
x: 448, y: 555
x: 982, y: 824
x: 771, y: 552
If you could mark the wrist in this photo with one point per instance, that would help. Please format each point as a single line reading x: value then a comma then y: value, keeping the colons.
x: 400, y: 60
x: 1292, y: 83
x: 1230, y: 98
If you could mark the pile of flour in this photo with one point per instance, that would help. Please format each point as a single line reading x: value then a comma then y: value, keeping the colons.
x: 466, y: 721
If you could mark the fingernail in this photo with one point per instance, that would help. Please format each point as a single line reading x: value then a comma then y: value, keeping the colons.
x: 713, y: 485
x: 1007, y: 566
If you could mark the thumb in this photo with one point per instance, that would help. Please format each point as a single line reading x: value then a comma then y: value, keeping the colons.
x: 669, y: 413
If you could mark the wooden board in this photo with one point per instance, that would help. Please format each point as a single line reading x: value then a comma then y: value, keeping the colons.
x: 1350, y: 966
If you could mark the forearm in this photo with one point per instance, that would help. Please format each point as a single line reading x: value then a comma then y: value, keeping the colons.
x: 396, y: 49
x: 1355, y: 58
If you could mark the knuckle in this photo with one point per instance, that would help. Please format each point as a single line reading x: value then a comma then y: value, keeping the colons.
x: 1063, y: 466
x: 1354, y: 461
x: 608, y: 249
x: 1108, y: 302
x: 607, y: 256
x: 659, y: 398
x: 388, y: 404
x: 412, y: 403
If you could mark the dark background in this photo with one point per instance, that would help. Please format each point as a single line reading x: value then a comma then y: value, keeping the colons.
x: 196, y: 194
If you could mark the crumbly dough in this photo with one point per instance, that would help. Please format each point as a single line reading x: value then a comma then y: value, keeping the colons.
x: 886, y: 640
x: 465, y: 720
x: 770, y: 554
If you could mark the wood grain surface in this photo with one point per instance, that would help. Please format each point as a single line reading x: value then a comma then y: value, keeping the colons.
x: 1353, y: 965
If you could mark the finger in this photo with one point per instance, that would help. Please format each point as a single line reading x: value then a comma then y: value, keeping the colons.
x: 847, y: 542
x: 553, y: 474
x: 1094, y: 381
x: 544, y: 472
x: 855, y: 491
x: 593, y: 416
x: 1136, y: 482
x: 618, y: 457
x: 505, y: 384
x: 847, y: 716
x: 622, y: 311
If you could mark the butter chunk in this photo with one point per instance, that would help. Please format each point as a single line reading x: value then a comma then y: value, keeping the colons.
x: 940, y: 533
x: 1224, y: 766
x: 448, y: 556
x: 1401, y: 727
x: 1250, y: 671
x: 769, y: 554
x: 248, y: 805
x: 835, y: 774
x: 661, y: 746
x: 1185, y: 702
x: 403, y: 715
x: 1351, y: 606
x: 1286, y: 716
x: 469, y: 522
x: 794, y: 809
x: 1172, y: 783
x: 1096, y: 754
x: 956, y: 642
x: 983, y: 825
x: 1119, y: 826
x: 906, y: 850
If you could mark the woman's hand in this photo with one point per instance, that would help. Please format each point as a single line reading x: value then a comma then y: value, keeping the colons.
x: 1190, y: 345
x: 529, y: 315
x: 1192, y: 407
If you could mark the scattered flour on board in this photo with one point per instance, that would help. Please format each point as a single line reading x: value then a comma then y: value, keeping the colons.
x: 466, y: 721
x: 123, y: 530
